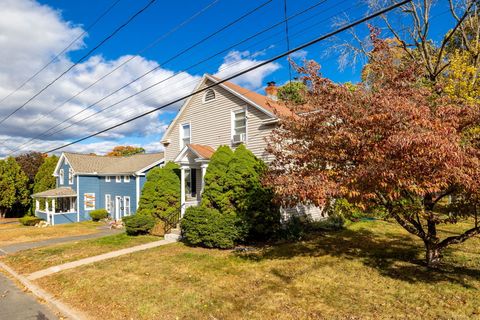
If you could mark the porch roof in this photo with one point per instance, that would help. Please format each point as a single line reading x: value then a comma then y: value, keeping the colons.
x: 202, y: 151
x: 56, y: 193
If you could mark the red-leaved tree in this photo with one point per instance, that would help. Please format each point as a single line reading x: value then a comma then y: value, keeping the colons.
x: 387, y: 141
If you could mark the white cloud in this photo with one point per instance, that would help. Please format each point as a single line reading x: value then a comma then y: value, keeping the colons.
x: 31, y: 34
x: 237, y: 61
x: 300, y: 54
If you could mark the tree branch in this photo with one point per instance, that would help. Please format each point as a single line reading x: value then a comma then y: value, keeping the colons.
x: 460, y: 238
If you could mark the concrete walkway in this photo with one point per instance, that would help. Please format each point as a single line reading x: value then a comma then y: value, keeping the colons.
x: 105, y: 256
x: 43, y: 243
x: 16, y: 304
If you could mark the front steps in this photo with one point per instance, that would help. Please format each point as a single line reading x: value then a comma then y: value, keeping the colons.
x: 173, y: 235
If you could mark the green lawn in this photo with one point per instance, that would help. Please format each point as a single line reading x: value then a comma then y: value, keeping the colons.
x: 371, y: 270
x: 32, y: 260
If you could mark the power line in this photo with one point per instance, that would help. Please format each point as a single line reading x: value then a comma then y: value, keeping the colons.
x: 288, y: 38
x: 111, y: 35
x: 162, y: 64
x: 63, y: 51
x: 44, y: 134
x: 151, y: 45
x: 282, y: 55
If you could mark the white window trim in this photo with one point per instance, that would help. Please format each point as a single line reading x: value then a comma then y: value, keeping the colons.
x: 85, y: 203
x: 107, y: 179
x: 108, y: 203
x: 61, y: 176
x: 181, y: 133
x: 70, y: 176
x: 232, y: 122
x: 205, y: 96
x: 125, y: 206
x: 118, y: 179
x: 126, y: 178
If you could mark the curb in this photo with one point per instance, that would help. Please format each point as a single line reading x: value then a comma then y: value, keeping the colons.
x: 51, y: 301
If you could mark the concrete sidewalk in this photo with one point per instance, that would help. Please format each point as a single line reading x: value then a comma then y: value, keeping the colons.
x: 105, y: 256
x: 43, y: 243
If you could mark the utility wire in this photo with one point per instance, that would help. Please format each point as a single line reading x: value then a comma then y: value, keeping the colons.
x: 288, y: 38
x: 111, y: 35
x: 136, y: 55
x: 45, y: 135
x: 263, y: 63
x: 63, y: 51
x: 162, y: 64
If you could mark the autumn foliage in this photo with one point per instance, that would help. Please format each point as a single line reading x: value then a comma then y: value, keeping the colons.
x: 121, y: 151
x: 387, y: 141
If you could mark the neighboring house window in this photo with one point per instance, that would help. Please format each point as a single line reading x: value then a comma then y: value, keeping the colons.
x: 126, y: 205
x: 107, y: 179
x: 118, y: 179
x: 209, y: 95
x: 108, y: 203
x: 126, y: 179
x: 185, y: 135
x: 70, y: 176
x: 62, y: 176
x: 89, y: 201
x: 239, y: 126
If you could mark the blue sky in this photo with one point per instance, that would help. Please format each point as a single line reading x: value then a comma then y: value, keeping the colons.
x: 72, y: 16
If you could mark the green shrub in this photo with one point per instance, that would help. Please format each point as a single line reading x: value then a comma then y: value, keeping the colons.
x: 29, y: 220
x: 209, y: 228
x: 98, y: 214
x: 161, y: 192
x: 299, y: 227
x: 138, y: 224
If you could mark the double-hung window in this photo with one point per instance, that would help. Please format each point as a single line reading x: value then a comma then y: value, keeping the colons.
x: 118, y: 179
x: 70, y: 176
x: 126, y: 205
x: 126, y: 179
x: 108, y: 203
x: 62, y: 176
x: 107, y: 179
x: 185, y: 134
x: 239, y: 123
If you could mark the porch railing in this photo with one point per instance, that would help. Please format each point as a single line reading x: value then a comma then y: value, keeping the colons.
x: 170, y: 222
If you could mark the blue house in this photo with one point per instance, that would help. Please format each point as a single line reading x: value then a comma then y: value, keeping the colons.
x: 90, y: 182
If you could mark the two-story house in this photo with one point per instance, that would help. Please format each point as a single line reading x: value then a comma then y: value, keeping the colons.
x: 89, y: 182
x: 226, y: 114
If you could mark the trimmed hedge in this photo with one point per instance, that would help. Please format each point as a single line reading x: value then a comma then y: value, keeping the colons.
x: 29, y: 220
x: 138, y: 224
x: 209, y: 228
x: 98, y: 214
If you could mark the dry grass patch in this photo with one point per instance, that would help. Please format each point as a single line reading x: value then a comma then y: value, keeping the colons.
x: 32, y: 260
x: 14, y: 233
x: 371, y: 270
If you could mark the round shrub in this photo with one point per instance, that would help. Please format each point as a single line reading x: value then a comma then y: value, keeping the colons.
x: 209, y: 228
x: 99, y: 214
x: 138, y: 224
x: 29, y: 220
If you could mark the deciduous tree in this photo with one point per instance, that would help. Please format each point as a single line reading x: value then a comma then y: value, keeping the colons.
x: 13, y: 187
x: 390, y: 142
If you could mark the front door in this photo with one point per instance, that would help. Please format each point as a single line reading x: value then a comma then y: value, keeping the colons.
x: 118, y: 207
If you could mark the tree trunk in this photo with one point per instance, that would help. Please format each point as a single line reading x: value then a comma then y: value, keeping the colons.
x: 433, y: 255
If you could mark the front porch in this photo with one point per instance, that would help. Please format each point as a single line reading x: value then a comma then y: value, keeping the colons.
x: 57, y: 206
x: 193, y: 161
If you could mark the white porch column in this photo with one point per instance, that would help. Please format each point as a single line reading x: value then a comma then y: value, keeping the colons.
x: 182, y: 191
x: 53, y: 211
x: 47, y: 211
x: 37, y: 204
x: 204, y: 170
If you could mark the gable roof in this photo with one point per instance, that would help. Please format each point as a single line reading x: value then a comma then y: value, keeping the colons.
x: 93, y: 164
x: 261, y: 102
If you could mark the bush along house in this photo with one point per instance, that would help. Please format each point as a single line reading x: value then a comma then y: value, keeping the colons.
x: 226, y: 114
x: 90, y: 182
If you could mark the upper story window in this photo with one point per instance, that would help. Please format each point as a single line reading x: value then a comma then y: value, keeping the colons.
x: 70, y: 176
x: 239, y: 123
x: 209, y: 95
x: 62, y: 176
x: 185, y: 135
x: 126, y: 179
x: 118, y: 179
x: 107, y: 179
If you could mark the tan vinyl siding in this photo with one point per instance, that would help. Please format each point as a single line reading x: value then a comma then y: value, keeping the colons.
x: 211, y: 124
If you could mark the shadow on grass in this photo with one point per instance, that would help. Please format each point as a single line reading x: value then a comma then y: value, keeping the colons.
x: 393, y: 255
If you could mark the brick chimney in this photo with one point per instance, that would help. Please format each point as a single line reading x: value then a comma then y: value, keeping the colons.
x: 271, y: 90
